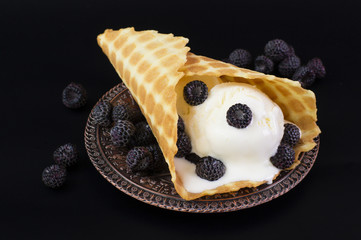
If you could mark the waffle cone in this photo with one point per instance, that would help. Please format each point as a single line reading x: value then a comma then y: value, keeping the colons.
x: 152, y: 64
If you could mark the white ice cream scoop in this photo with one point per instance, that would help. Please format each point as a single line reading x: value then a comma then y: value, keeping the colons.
x: 245, y: 151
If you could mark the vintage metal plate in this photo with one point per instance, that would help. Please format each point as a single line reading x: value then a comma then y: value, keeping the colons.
x: 158, y: 190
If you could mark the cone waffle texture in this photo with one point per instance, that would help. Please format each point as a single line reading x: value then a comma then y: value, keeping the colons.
x: 151, y: 64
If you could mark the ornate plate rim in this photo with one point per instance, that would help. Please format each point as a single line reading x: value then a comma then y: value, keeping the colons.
x: 202, y: 205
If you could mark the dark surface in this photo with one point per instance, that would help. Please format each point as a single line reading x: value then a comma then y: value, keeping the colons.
x: 47, y: 44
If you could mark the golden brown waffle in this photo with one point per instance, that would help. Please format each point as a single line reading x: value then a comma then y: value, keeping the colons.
x: 151, y: 64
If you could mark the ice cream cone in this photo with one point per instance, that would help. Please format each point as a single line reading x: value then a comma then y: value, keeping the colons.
x: 152, y: 64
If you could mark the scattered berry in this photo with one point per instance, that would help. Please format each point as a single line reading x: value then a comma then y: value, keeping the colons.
x: 120, y: 112
x: 210, y: 168
x: 305, y: 76
x: 276, y: 50
x: 239, y: 115
x: 284, y: 157
x: 139, y: 159
x: 184, y: 145
x: 74, y: 95
x: 291, y: 134
x: 143, y: 134
x: 195, y: 92
x: 317, y: 66
x: 66, y: 155
x: 240, y: 58
x: 101, y: 113
x: 263, y: 64
x: 180, y: 125
x: 121, y: 132
x: 193, y: 158
x: 288, y: 66
x: 54, y: 176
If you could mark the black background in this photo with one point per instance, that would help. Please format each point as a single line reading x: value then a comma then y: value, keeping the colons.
x: 44, y: 45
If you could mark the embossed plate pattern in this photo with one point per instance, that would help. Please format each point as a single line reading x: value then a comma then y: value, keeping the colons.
x: 158, y: 190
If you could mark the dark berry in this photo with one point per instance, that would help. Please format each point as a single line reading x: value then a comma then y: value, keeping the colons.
x: 240, y: 58
x: 102, y: 112
x: 239, y: 115
x: 317, y: 66
x: 74, y: 95
x: 159, y: 162
x: 291, y: 134
x: 143, y: 134
x: 305, y: 76
x: 193, y: 158
x: 276, y: 50
x: 121, y: 112
x: 183, y: 144
x: 66, y: 155
x: 210, y: 168
x: 263, y: 64
x: 121, y: 132
x: 195, y: 92
x: 139, y: 159
x: 180, y: 124
x: 54, y: 176
x: 288, y: 66
x: 284, y: 157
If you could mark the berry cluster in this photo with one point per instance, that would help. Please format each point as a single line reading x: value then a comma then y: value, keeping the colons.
x: 279, y: 58
x: 130, y: 131
x: 73, y: 96
x: 183, y: 141
x: 208, y: 167
x: 285, y: 155
x: 54, y: 176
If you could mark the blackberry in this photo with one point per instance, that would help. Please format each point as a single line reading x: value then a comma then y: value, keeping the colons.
x: 159, y: 162
x: 101, y: 113
x: 184, y: 145
x: 305, y: 76
x: 121, y: 132
x: 143, y: 134
x: 317, y: 66
x: 210, y: 168
x: 288, y: 66
x: 284, y: 157
x: 240, y: 58
x: 54, y: 176
x: 193, y: 158
x: 195, y: 92
x: 74, y: 95
x: 276, y: 50
x: 180, y: 125
x: 66, y: 155
x: 239, y: 115
x: 291, y: 134
x: 263, y: 64
x: 139, y: 159
x: 121, y: 112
